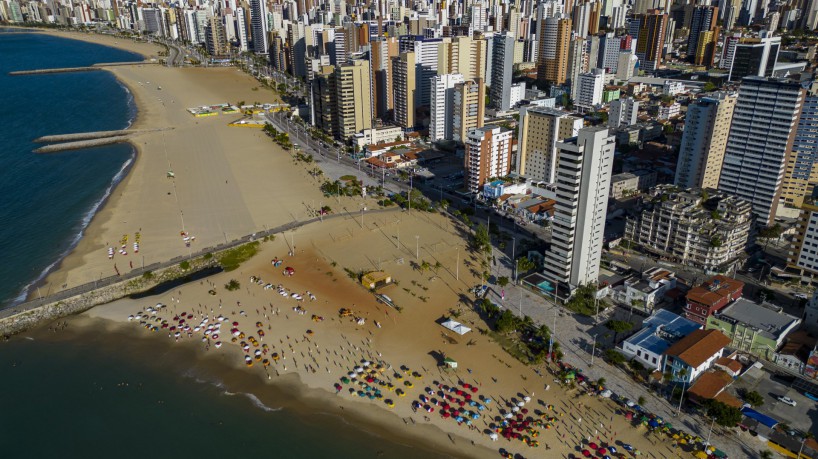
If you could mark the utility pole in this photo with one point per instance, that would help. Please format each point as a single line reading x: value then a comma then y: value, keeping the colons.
x: 457, y: 266
x: 417, y: 247
x: 551, y: 335
x: 513, y: 261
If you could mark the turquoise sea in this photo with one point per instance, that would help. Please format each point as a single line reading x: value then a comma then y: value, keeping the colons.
x: 72, y: 394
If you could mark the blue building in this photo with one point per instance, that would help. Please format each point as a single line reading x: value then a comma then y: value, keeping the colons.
x: 659, y: 332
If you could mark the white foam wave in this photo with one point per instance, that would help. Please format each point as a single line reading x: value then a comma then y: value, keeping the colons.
x: 256, y: 401
x: 86, y: 219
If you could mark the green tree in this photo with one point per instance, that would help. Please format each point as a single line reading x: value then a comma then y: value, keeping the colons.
x: 613, y: 356
x: 725, y: 415
x: 709, y: 87
x: 481, y: 241
x: 754, y: 398
x: 765, y: 454
x: 618, y: 326
x: 640, y: 401
x: 524, y: 264
x: 506, y: 322
x: 502, y: 281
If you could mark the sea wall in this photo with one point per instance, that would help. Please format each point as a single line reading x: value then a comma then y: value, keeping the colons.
x: 29, y: 318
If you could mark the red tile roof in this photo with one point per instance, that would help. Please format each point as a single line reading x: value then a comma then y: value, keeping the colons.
x: 695, y: 348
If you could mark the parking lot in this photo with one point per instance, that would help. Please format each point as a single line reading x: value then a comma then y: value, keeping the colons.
x: 799, y: 417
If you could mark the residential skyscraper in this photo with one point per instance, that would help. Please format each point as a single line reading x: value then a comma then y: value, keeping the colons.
x: 502, y: 69
x: 761, y: 135
x: 403, y: 68
x: 552, y: 58
x: 584, y: 166
x: 258, y: 20
x: 353, y: 98
x: 540, y: 130
x: 591, y: 85
x: 703, y: 19
x: 707, y: 126
x: 469, y: 108
x: 801, y: 175
x: 442, y: 106
x: 215, y: 38
x: 649, y: 30
x: 488, y: 155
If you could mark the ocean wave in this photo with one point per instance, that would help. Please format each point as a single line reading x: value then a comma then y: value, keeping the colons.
x: 255, y: 401
x: 86, y: 220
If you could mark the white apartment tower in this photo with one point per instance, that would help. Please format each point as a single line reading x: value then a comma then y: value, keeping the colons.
x: 761, y: 135
x: 584, y: 169
x: 441, y: 106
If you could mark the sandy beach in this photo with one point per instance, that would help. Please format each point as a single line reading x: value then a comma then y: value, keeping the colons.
x: 230, y: 182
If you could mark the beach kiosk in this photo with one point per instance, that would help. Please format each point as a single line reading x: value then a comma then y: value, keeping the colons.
x: 450, y: 363
x: 375, y: 279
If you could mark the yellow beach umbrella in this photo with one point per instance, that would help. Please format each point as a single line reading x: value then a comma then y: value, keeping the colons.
x: 701, y: 455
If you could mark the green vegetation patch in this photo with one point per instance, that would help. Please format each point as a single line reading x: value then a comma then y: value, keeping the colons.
x: 233, y: 258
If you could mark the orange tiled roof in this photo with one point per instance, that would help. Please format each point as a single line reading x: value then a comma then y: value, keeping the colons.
x: 695, y: 348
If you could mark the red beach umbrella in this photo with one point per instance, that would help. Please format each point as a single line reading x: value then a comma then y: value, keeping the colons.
x: 593, y: 445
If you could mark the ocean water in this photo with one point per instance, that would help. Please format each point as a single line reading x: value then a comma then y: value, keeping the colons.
x: 47, y: 200
x: 80, y: 395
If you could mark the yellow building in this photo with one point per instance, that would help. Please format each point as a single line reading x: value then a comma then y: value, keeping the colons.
x: 353, y: 98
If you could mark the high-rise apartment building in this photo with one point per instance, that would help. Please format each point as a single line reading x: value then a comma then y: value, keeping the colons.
x: 488, y: 155
x: 469, y: 108
x: 323, y: 93
x: 215, y: 38
x: 403, y: 68
x: 754, y: 57
x: 707, y: 126
x: 463, y: 55
x: 258, y: 20
x: 623, y: 112
x: 540, y: 130
x: 552, y: 58
x: 584, y: 167
x: 577, y: 63
x: 609, y: 48
x: 649, y: 30
x: 502, y: 69
x: 761, y: 136
x: 703, y: 19
x: 442, y: 106
x: 801, y: 175
x: 353, y: 98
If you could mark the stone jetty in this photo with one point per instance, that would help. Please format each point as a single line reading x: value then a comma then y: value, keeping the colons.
x: 65, y: 146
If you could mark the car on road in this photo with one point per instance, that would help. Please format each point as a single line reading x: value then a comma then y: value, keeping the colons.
x: 787, y: 400
x: 801, y: 296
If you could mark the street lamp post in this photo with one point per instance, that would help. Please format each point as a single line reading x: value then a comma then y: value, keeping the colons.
x: 593, y: 351
x: 457, y: 266
x: 417, y: 247
x: 710, y: 434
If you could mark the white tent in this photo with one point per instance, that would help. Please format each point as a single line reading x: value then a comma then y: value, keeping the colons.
x: 456, y: 327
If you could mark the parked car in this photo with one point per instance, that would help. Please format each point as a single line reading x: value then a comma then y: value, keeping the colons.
x: 787, y: 400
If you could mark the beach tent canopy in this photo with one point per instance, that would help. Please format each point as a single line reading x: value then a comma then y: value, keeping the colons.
x: 456, y: 327
x: 761, y: 418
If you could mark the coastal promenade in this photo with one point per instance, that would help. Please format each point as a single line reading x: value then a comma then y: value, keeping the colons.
x: 8, y: 315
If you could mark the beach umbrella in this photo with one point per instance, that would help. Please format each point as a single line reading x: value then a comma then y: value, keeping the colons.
x: 701, y: 455
x: 601, y: 451
x: 593, y: 445
x: 474, y: 389
x: 527, y: 398
x: 612, y: 449
x: 520, y: 404
x: 445, y: 414
x: 586, y: 453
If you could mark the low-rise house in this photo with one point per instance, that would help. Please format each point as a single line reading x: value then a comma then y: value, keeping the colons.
x: 646, y: 291
x: 694, y: 354
x: 795, y: 353
x: 757, y: 329
x: 377, y: 135
x: 623, y: 185
x: 711, y: 296
x: 659, y: 331
x: 712, y: 385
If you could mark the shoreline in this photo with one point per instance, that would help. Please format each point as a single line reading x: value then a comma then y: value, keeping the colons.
x: 288, y: 393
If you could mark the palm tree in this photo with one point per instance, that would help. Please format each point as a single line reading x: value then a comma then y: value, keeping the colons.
x: 766, y: 454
